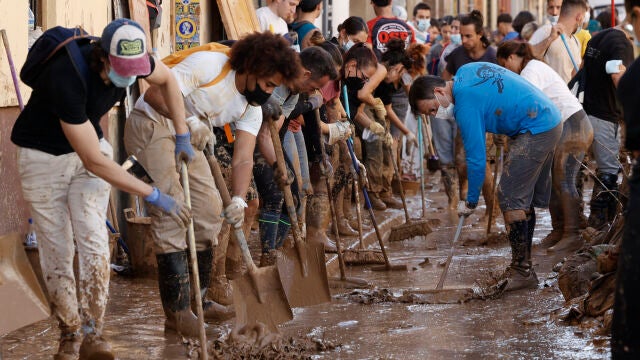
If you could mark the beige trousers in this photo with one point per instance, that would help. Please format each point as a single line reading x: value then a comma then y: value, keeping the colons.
x: 69, y: 203
x: 153, y: 143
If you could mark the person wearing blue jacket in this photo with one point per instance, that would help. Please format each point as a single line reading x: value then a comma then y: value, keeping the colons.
x: 489, y: 98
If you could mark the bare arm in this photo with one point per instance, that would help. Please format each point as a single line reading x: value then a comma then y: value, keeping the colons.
x: 540, y: 48
x: 362, y: 118
x: 242, y: 163
x: 165, y: 96
x: 366, y: 93
x: 395, y: 120
x: 264, y: 143
x: 617, y: 76
x: 85, y: 143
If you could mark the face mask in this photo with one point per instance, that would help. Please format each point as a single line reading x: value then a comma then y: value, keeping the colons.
x: 423, y: 24
x: 587, y: 17
x: 354, y: 83
x: 444, y: 112
x: 553, y: 18
x: 456, y: 39
x: 296, y: 48
x: 120, y: 81
x: 257, y: 96
x: 348, y: 45
x: 439, y: 38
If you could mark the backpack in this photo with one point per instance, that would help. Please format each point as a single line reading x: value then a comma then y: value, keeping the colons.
x: 177, y: 57
x: 48, y: 45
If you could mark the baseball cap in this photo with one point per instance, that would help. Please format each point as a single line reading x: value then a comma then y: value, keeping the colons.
x: 126, y: 43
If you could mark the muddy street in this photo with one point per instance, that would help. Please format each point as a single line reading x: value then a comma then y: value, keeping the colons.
x: 391, y: 320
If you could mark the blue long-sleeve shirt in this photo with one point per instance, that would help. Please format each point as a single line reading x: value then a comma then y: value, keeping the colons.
x: 490, y: 98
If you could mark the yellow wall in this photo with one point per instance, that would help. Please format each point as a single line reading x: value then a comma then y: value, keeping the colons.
x: 15, y: 26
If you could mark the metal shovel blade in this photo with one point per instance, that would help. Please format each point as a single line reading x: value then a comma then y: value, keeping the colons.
x: 274, y: 308
x: 303, y: 290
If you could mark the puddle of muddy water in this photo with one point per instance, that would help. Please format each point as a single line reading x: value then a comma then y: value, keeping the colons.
x: 515, y: 326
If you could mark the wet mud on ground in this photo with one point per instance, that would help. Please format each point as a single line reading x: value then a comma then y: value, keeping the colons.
x: 377, y: 323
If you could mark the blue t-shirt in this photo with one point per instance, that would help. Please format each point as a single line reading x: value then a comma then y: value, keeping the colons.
x: 490, y: 98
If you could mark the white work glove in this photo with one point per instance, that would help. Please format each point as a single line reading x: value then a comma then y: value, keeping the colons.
x: 376, y: 128
x: 315, y: 100
x: 411, y: 138
x: 339, y: 131
x: 464, y: 209
x: 379, y: 109
x: 234, y: 212
x: 201, y: 135
x: 364, y: 180
x: 388, y: 140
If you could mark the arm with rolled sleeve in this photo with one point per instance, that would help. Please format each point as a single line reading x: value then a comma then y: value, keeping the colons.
x: 471, y: 125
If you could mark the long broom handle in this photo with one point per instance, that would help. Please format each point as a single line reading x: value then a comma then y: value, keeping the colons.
x: 443, y: 276
x: 193, y: 257
x: 397, y: 175
x: 12, y: 67
x: 421, y: 151
x: 494, y: 187
x: 566, y: 46
x: 323, y: 170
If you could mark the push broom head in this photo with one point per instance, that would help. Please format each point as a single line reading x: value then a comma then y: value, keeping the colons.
x: 409, y: 230
x: 362, y: 257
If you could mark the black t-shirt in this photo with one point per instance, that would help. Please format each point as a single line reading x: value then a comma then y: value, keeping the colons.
x: 59, y: 95
x: 459, y: 57
x: 599, y: 92
x: 629, y: 96
x: 382, y: 29
x: 385, y: 91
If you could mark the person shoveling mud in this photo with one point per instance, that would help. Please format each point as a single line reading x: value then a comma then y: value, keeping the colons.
x: 533, y: 134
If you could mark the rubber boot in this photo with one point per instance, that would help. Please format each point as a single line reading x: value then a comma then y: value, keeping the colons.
x: 68, y: 347
x: 269, y: 221
x: 318, y: 221
x: 343, y: 224
x: 213, y: 311
x: 347, y: 210
x: 220, y: 289
x: 611, y: 182
x: 95, y: 347
x: 376, y: 202
x: 571, y: 239
x: 602, y: 200
x: 520, y: 274
x: 268, y: 258
x: 284, y: 225
x: 557, y: 222
x: 451, y: 185
x: 173, y: 282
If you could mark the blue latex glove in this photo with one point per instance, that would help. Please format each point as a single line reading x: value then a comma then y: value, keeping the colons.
x: 184, y: 150
x: 177, y: 210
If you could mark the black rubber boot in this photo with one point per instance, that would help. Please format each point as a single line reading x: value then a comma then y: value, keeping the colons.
x: 213, y: 311
x: 531, y: 226
x: 603, y: 200
x: 173, y: 281
x: 557, y: 222
x: 520, y: 274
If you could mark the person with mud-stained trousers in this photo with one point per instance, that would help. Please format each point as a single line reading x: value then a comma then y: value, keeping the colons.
x: 254, y: 66
x: 625, y: 327
x: 490, y: 98
x: 66, y: 172
x: 577, y: 135
x: 274, y: 220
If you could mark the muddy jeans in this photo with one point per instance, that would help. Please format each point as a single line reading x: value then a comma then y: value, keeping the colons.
x: 379, y: 166
x: 296, y: 151
x: 68, y: 202
x: 606, y: 145
x: 526, y: 177
x: 153, y: 143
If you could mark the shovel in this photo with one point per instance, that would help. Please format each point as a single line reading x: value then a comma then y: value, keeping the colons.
x: 302, y: 268
x: 193, y: 259
x: 258, y: 295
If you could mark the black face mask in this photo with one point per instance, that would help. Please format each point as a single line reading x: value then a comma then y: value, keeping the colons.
x: 354, y: 83
x: 257, y: 96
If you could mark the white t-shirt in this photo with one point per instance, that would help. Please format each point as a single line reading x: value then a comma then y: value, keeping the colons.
x: 556, y: 55
x: 271, y: 21
x: 549, y: 82
x: 218, y: 104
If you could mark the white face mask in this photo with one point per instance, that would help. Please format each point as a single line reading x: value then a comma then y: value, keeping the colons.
x: 423, y: 24
x: 348, y: 45
x: 444, y: 112
x: 587, y: 17
x: 553, y: 18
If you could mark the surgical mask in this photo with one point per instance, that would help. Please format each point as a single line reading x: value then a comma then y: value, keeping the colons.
x: 348, y: 45
x: 423, y: 24
x: 587, y: 17
x: 456, y: 39
x: 553, y: 18
x: 444, y: 112
x: 354, y: 83
x: 257, y: 96
x: 439, y: 38
x: 120, y: 81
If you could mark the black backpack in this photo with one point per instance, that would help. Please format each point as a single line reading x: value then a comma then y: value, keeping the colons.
x: 48, y: 45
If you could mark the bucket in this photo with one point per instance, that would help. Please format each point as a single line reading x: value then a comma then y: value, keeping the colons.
x: 140, y: 243
x: 21, y: 298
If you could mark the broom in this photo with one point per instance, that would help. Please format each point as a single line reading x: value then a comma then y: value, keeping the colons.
x: 410, y: 228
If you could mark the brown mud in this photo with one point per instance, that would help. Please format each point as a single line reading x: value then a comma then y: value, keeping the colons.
x: 393, y: 320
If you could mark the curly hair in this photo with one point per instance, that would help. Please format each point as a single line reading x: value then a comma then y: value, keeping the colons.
x: 265, y: 54
x: 416, y: 53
